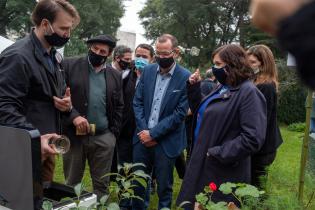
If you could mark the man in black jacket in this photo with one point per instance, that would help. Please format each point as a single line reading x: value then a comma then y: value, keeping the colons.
x: 32, y: 85
x: 121, y: 62
x: 97, y: 99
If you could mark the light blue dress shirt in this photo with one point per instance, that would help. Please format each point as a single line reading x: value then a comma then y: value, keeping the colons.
x: 161, y: 85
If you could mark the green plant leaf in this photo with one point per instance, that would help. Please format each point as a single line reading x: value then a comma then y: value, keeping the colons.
x: 136, y: 197
x: 67, y: 199
x: 219, y: 206
x: 131, y: 191
x: 142, y: 181
x: 119, y: 167
x: 126, y: 184
x: 113, y: 206
x: 82, y: 208
x: 165, y: 208
x: 104, y: 199
x: 202, y: 198
x: 126, y: 195
x: 138, y: 164
x: 247, y: 190
x: 78, y: 189
x: 227, y: 188
x: 141, y: 173
x: 47, y: 205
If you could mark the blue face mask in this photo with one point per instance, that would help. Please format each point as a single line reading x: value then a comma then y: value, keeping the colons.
x: 140, y: 63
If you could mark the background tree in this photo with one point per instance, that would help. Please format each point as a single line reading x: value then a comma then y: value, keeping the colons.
x: 15, y: 17
x: 204, y: 24
x: 97, y: 17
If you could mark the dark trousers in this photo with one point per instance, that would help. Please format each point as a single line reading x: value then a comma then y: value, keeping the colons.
x: 259, y: 168
x: 98, y: 151
x: 154, y: 158
x: 124, y: 150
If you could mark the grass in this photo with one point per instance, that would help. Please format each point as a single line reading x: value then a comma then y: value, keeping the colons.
x: 282, y: 182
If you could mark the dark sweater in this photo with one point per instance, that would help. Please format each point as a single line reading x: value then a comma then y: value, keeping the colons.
x: 273, y: 135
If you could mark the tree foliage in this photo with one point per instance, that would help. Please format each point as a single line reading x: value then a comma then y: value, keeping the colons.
x: 205, y: 24
x: 97, y: 17
x: 15, y: 16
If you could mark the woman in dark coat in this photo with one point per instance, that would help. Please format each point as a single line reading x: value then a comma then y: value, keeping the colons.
x: 263, y: 64
x: 229, y: 126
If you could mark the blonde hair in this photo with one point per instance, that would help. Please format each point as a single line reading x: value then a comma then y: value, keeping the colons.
x: 267, y: 70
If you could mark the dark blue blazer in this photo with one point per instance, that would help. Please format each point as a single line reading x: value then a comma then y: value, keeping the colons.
x: 170, y: 130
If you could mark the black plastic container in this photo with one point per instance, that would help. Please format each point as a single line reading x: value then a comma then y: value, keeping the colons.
x: 55, y: 192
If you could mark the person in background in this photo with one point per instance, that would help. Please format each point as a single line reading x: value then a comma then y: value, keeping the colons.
x: 160, y: 106
x: 292, y: 22
x: 143, y: 56
x: 33, y: 94
x: 209, y: 83
x: 229, y: 126
x: 122, y: 59
x: 97, y: 99
x: 265, y: 78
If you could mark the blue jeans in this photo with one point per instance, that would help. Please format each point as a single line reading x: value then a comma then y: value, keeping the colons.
x: 154, y: 157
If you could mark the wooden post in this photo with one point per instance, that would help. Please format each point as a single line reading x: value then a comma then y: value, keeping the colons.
x: 304, y: 153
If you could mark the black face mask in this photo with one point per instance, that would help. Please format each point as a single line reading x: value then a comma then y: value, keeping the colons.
x: 55, y: 40
x: 165, y: 62
x: 124, y: 64
x: 220, y: 74
x: 96, y: 59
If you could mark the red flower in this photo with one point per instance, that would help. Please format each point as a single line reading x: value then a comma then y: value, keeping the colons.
x: 212, y: 187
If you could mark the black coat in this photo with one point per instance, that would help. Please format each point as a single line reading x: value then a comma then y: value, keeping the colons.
x: 273, y: 136
x: 27, y: 87
x: 128, y: 123
x: 77, y: 78
x: 232, y: 129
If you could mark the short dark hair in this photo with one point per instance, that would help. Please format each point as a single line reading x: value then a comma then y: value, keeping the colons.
x: 235, y: 58
x: 147, y: 47
x: 48, y: 9
x: 166, y: 37
x: 121, y: 50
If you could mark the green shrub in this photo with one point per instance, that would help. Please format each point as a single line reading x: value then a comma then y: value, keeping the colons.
x: 297, y: 127
x: 291, y: 97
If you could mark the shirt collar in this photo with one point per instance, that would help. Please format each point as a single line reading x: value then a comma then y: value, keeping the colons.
x: 171, y: 72
x: 40, y: 46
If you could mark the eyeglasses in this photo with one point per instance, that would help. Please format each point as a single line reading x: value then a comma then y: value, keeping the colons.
x: 164, y: 53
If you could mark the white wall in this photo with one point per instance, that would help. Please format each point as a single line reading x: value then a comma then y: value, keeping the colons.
x: 4, y: 43
x: 126, y: 38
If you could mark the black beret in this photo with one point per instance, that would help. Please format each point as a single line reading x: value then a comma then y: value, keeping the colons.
x: 105, y: 39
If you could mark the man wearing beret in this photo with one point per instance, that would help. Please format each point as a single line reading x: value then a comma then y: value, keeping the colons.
x: 96, y: 93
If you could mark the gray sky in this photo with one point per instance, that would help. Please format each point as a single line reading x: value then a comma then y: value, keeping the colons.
x: 130, y: 22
